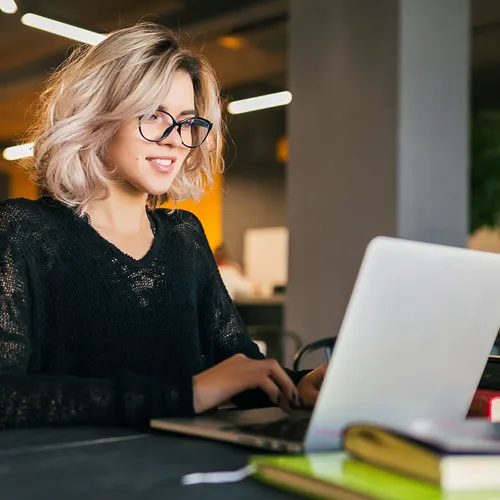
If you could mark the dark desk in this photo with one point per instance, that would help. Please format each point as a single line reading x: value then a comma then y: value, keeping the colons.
x: 261, y: 311
x: 109, y: 464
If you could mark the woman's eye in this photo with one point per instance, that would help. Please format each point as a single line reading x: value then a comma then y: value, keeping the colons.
x: 151, y: 118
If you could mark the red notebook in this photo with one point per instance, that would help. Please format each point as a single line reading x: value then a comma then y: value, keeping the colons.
x: 485, y: 403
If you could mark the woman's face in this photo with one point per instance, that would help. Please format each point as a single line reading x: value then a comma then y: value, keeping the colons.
x: 150, y: 167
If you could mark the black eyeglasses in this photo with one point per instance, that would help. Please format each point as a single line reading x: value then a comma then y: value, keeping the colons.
x: 157, y: 126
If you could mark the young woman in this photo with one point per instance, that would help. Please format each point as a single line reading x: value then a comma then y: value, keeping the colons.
x: 112, y: 311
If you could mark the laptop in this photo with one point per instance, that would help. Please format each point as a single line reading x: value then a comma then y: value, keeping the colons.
x: 413, y: 344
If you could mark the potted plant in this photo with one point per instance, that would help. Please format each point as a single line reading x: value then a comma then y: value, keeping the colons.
x: 485, y: 172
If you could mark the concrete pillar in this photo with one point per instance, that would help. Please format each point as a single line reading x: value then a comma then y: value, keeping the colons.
x: 378, y: 134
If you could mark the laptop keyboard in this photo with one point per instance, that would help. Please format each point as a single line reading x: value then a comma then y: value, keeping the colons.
x: 288, y: 428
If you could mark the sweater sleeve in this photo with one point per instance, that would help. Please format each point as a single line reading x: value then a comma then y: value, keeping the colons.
x: 222, y: 322
x: 29, y: 398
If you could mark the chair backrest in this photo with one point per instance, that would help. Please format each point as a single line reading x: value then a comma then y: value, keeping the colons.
x: 327, y: 344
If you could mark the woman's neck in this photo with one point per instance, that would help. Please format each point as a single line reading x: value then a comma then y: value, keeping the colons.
x: 123, y: 211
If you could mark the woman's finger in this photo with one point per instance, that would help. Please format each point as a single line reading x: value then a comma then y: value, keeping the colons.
x: 274, y: 393
x: 285, y: 383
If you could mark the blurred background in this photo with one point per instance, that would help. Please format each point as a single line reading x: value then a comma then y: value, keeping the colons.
x: 246, y: 43
x: 257, y: 49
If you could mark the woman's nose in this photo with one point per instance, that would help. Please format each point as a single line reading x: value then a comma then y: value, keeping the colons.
x: 173, y: 139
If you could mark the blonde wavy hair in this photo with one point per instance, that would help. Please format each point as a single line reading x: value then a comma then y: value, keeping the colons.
x: 96, y: 89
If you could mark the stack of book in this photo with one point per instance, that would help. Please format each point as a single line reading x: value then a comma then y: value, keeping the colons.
x: 486, y: 404
x: 427, y: 460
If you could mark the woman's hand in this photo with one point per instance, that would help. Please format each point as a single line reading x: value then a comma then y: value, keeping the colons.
x: 310, y: 385
x: 238, y: 373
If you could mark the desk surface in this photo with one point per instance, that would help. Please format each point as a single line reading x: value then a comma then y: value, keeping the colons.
x: 273, y: 300
x: 109, y: 464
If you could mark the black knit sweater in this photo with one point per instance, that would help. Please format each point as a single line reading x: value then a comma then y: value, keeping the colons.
x: 90, y: 335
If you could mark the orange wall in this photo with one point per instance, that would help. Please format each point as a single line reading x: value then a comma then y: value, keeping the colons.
x: 209, y: 211
x: 22, y: 187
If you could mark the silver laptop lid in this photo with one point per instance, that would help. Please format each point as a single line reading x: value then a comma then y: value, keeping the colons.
x: 415, y: 338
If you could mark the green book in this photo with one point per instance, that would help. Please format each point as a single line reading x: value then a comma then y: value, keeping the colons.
x: 339, y: 476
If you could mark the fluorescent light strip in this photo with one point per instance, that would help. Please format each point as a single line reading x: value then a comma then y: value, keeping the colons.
x: 8, y: 6
x: 261, y: 102
x: 18, y: 152
x: 62, y: 29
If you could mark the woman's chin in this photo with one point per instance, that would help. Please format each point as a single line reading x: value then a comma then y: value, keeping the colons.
x: 158, y: 191
x: 145, y: 186
x: 154, y: 189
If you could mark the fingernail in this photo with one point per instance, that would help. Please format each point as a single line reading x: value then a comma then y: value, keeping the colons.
x: 297, y: 396
x: 283, y: 404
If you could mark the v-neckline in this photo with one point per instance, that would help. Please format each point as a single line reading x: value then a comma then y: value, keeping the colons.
x: 110, y: 248
x: 118, y: 251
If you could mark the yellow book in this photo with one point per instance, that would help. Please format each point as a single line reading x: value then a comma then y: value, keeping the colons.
x: 455, y: 456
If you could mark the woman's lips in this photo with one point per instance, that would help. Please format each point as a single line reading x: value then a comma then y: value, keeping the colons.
x: 164, y: 165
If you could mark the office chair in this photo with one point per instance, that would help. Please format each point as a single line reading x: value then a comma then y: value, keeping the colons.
x: 327, y: 344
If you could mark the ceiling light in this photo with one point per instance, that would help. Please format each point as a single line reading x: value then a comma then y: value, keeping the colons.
x: 62, y: 29
x: 18, y: 152
x: 261, y: 102
x: 230, y: 42
x: 8, y: 6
